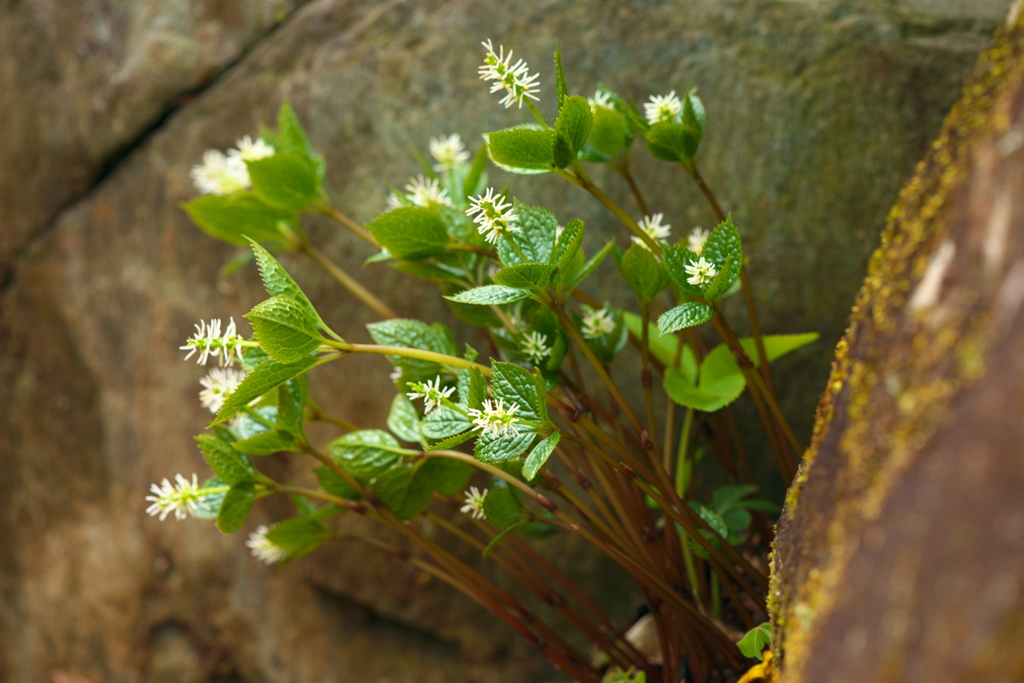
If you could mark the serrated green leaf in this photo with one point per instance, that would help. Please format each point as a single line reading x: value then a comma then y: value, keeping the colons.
x: 299, y: 535
x: 672, y: 141
x: 234, y: 510
x: 535, y: 236
x: 521, y: 150
x: 722, y: 281
x: 410, y: 232
x: 266, y: 443
x: 403, y: 420
x: 284, y: 329
x: 333, y: 484
x: 690, y: 314
x: 403, y: 490
x: 643, y: 273
x: 514, y: 384
x: 561, y: 89
x: 284, y: 181
x: 490, y: 295
x: 446, y: 476
x: 365, y: 453
x: 676, y: 259
x: 491, y: 448
x: 723, y: 242
x: 236, y: 218
x: 477, y: 390
x: 572, y: 128
x: 501, y: 507
x: 291, y: 400
x: 609, y: 132
x: 266, y: 376
x: 539, y: 455
x: 229, y: 465
x: 291, y: 138
x: 443, y: 423
x: 568, y: 245
x: 245, y: 425
x: 209, y: 498
x: 278, y: 282
x: 451, y: 441
x: 413, y: 334
x: 756, y: 640
x: 524, y: 275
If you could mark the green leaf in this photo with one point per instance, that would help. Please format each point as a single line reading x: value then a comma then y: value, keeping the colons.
x: 724, y: 242
x: 672, y: 141
x: 403, y: 491
x: 333, y: 484
x: 568, y: 244
x: 291, y: 400
x: 694, y: 116
x: 475, y: 391
x: 539, y: 455
x: 676, y: 259
x: 426, y: 271
x: 643, y: 273
x: 443, y: 423
x: 234, y: 510
x: 209, y: 499
x: 725, y: 497
x: 514, y: 384
x: 707, y: 398
x: 524, y: 275
x: 284, y: 181
x: 413, y: 334
x: 572, y: 128
x: 756, y: 640
x: 410, y: 233
x: 300, y: 535
x: 291, y: 138
x: 690, y: 314
x: 490, y: 295
x: 366, y: 453
x: 229, y: 465
x: 446, y: 476
x: 609, y: 132
x: 490, y: 448
x: 476, y: 178
x: 561, y: 89
x: 237, y: 217
x: 452, y: 441
x: 266, y: 443
x: 403, y: 420
x: 500, y: 506
x: 777, y: 345
x: 521, y: 150
x: 284, y: 329
x: 266, y: 376
x: 278, y: 282
x: 535, y: 238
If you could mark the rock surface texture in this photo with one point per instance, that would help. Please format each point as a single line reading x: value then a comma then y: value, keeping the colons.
x: 900, y: 555
x: 817, y: 110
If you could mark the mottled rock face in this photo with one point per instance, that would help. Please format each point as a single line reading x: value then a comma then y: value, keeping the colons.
x: 816, y: 110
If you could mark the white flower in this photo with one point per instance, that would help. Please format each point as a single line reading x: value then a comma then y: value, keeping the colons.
x: 426, y: 191
x: 493, y: 216
x: 495, y: 419
x: 663, y: 108
x: 247, y: 150
x: 597, y: 323
x: 535, y: 346
x: 219, y: 174
x: 448, y: 151
x: 431, y: 393
x: 393, y: 202
x: 654, y: 229
x: 513, y: 78
x: 210, y: 342
x: 396, y: 375
x: 474, y: 506
x: 698, y: 236
x: 180, y: 499
x: 217, y: 385
x: 701, y: 272
x: 263, y: 548
x: 601, y: 98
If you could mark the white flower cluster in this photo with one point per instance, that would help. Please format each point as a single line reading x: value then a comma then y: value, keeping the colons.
x: 701, y: 272
x: 601, y: 98
x: 597, y: 323
x: 474, y: 506
x: 209, y: 341
x: 226, y: 173
x: 495, y: 419
x: 448, y: 151
x: 421, y: 191
x: 698, y: 236
x: 217, y: 385
x: 513, y: 78
x: 535, y: 346
x: 431, y: 393
x: 179, y: 499
x: 659, y: 108
x: 492, y: 215
x: 653, y: 227
x: 263, y: 548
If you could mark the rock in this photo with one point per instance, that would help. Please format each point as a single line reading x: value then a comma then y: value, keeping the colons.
x: 816, y: 111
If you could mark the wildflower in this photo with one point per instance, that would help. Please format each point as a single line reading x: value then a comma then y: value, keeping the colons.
x: 654, y: 229
x: 217, y: 385
x: 395, y: 375
x: 495, y: 419
x: 219, y: 174
x: 393, y: 202
x: 431, y: 393
x: 474, y: 506
x: 700, y: 272
x: 601, y: 98
x: 513, y: 78
x: 263, y: 548
x: 247, y: 150
x: 180, y: 499
x: 448, y: 151
x: 535, y: 346
x: 663, y: 108
x: 493, y: 216
x: 597, y: 323
x: 210, y: 342
x: 698, y: 236
x: 423, y: 192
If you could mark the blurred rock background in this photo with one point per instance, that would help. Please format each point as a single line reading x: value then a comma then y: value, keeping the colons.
x: 817, y: 110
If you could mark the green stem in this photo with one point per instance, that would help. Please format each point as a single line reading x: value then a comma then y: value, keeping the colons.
x: 584, y: 181
x: 404, y: 352
x: 347, y: 281
x: 352, y: 225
